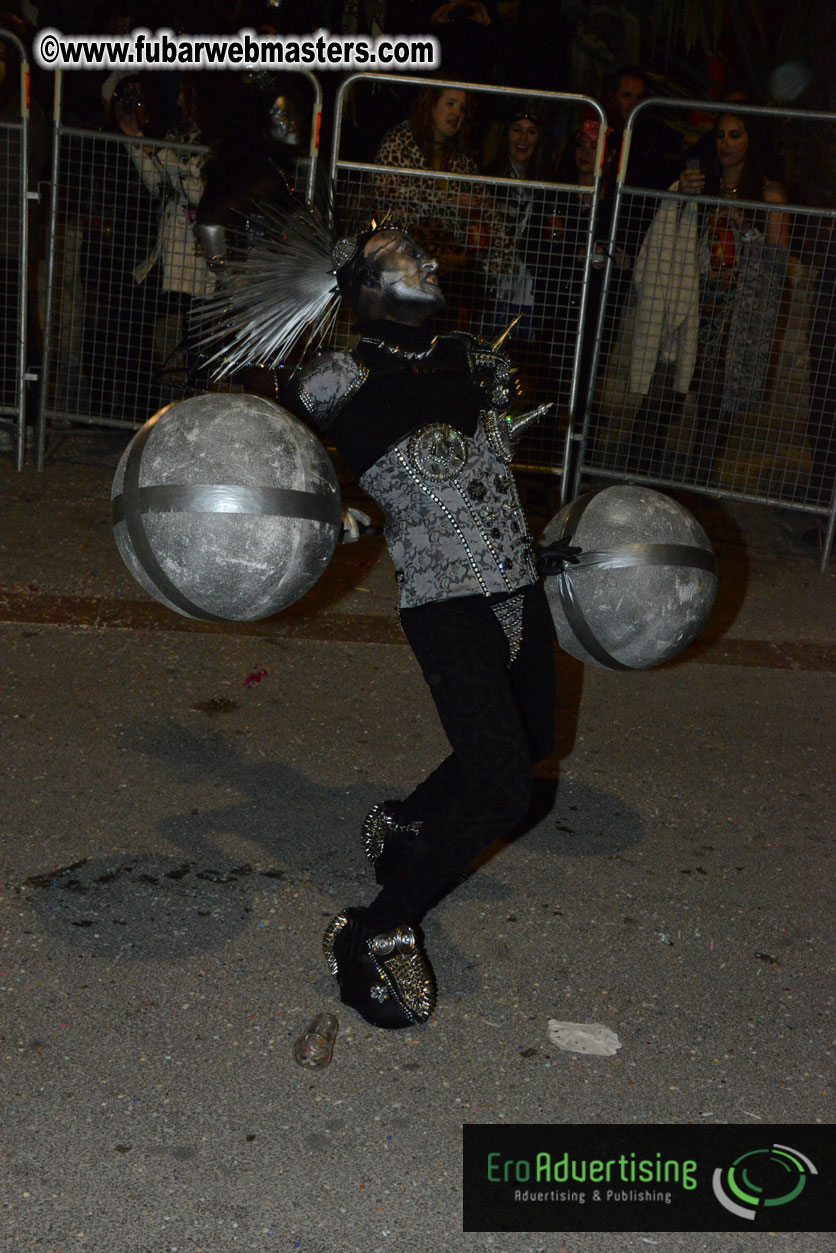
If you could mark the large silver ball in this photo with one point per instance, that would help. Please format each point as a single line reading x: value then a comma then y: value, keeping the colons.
x: 645, y: 583
x: 226, y: 507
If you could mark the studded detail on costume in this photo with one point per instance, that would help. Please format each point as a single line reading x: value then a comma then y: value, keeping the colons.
x: 442, y: 532
x: 325, y: 386
x: 395, y: 350
x: 498, y: 431
x: 492, y: 372
x: 437, y: 452
x: 376, y: 970
x: 509, y: 615
x: 380, y: 828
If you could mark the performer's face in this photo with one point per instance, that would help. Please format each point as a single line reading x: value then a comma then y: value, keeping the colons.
x: 407, y: 288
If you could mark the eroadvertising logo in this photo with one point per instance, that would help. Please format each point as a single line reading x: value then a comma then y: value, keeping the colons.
x: 626, y: 1177
x: 762, y: 1177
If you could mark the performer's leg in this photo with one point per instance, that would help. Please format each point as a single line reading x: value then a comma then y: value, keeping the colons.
x: 499, y: 721
x: 532, y: 677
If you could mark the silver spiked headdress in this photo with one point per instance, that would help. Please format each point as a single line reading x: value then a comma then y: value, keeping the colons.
x: 283, y: 290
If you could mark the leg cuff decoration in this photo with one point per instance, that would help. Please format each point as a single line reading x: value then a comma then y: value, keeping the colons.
x: 386, y: 978
x: 384, y: 838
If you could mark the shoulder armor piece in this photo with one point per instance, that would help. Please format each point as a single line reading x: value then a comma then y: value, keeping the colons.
x: 325, y: 386
x: 490, y: 370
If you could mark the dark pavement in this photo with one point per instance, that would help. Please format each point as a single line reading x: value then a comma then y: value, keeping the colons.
x: 180, y: 818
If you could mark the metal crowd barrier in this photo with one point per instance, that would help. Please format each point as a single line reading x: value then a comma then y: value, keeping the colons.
x: 715, y: 370
x: 505, y: 246
x: 14, y: 251
x: 116, y: 339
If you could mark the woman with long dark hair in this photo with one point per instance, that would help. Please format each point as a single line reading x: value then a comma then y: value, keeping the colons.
x: 524, y: 211
x: 743, y: 255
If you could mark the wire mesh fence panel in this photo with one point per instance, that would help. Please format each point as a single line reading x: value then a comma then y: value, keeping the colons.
x: 507, y: 247
x: 127, y: 269
x: 12, y: 267
x: 127, y: 273
x: 716, y: 370
x: 716, y: 363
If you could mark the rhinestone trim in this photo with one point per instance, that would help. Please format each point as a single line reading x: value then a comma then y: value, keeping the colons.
x: 344, y: 249
x: 498, y: 431
x: 509, y: 615
x: 314, y: 404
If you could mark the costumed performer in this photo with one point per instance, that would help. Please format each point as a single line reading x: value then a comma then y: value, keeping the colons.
x: 421, y: 419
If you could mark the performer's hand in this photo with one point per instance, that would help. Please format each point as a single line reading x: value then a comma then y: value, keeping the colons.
x: 554, y: 557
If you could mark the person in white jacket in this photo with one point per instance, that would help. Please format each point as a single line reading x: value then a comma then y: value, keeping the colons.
x: 174, y: 175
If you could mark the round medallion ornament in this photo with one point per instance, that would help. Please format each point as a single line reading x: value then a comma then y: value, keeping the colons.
x: 437, y: 453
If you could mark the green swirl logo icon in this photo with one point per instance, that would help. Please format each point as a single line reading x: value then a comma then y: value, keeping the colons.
x: 762, y: 1178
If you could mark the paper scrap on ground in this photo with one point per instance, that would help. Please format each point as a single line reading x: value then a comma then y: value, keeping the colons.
x: 584, y: 1037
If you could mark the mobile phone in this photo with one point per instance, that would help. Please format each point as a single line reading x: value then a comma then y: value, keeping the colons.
x: 693, y: 163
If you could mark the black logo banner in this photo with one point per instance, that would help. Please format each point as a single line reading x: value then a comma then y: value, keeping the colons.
x: 637, y: 1177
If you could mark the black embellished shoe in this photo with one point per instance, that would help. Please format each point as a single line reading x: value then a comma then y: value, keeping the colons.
x: 386, y: 977
x: 384, y: 838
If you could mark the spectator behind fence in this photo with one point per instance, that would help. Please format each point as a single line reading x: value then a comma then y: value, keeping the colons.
x: 570, y: 230
x: 176, y: 177
x: 434, y: 137
x: 524, y: 155
x: 655, y: 149
x: 743, y: 256
x: 453, y: 221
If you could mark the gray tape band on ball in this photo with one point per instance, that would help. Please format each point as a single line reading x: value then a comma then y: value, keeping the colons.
x: 687, y: 556
x: 684, y: 555
x: 582, y: 630
x: 132, y: 516
x: 265, y: 502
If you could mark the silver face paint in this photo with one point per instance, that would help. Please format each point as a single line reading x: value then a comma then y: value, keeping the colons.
x: 407, y: 278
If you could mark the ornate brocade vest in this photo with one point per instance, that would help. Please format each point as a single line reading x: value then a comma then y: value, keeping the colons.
x: 454, y: 523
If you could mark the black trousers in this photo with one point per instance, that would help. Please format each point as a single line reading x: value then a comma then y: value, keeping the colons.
x: 499, y: 719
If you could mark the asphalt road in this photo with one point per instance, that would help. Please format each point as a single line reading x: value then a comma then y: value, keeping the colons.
x: 180, y: 819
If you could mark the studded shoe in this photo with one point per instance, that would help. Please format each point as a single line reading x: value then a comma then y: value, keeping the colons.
x: 386, y: 977
x: 384, y: 838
